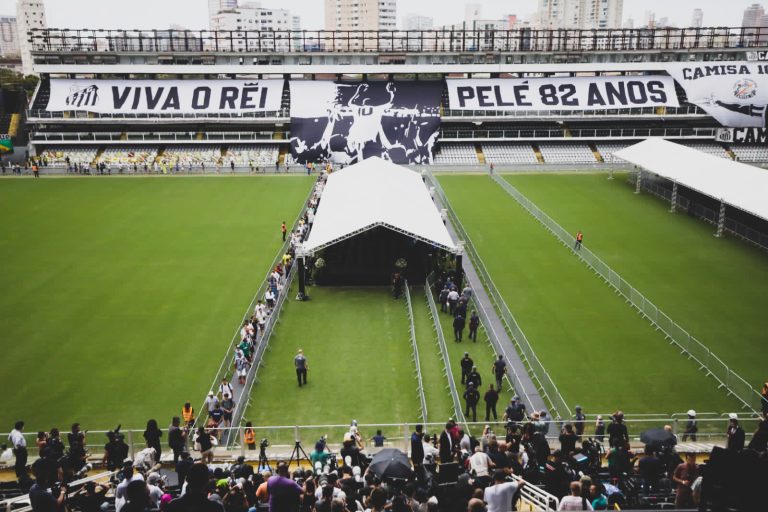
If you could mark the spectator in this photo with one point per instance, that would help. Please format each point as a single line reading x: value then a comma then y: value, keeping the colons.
x: 650, y: 469
x: 137, y: 495
x: 225, y: 388
x: 575, y: 501
x: 228, y: 406
x: 499, y: 495
x: 319, y: 455
x: 684, y: 476
x: 177, y: 438
x: 579, y: 420
x: 205, y: 442
x: 430, y: 452
x: 480, y: 465
x: 598, y: 498
x: 378, y: 439
x: 417, y: 449
x: 568, y: 440
x: 284, y: 493
x: 735, y: 433
x: 446, y: 444
x: 115, y: 451
x: 249, y: 435
x: 690, y: 427
x: 19, y: 445
x: 195, y: 499
x: 759, y: 442
x: 152, y: 436
x: 211, y: 402
x: 617, y: 430
x: 40, y: 498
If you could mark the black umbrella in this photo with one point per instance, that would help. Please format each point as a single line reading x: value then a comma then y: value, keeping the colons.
x: 391, y: 463
x: 658, y: 437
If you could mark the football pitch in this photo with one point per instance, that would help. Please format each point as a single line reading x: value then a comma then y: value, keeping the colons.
x: 120, y: 296
x: 600, y: 353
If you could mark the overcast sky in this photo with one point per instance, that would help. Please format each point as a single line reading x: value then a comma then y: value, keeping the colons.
x: 193, y: 13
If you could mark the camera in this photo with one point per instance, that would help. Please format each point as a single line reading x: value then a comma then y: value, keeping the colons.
x: 264, y: 443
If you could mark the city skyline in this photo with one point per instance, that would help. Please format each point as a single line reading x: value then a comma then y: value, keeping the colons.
x: 193, y: 14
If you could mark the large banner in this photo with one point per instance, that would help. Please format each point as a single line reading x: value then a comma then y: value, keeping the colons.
x: 561, y: 93
x: 734, y: 93
x: 742, y: 135
x: 166, y: 96
x: 346, y: 122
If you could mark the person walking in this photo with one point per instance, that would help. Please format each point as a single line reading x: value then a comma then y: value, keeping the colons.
x: 691, y: 428
x: 466, y: 367
x: 474, y: 323
x: 458, y: 327
x: 491, y: 399
x: 579, y: 240
x: 499, y: 369
x: 684, y: 476
x: 19, y: 446
x: 474, y: 378
x: 300, y: 362
x: 471, y: 397
x: 283, y: 230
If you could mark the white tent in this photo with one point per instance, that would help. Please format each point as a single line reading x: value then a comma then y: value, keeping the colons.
x: 734, y: 183
x: 376, y: 193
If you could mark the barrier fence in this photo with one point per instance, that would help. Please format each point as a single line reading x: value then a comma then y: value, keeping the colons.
x: 281, y: 438
x: 545, y: 384
x: 708, y: 361
x: 415, y: 347
x: 444, y: 351
x: 225, y: 368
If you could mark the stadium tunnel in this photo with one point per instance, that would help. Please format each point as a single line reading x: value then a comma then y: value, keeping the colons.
x: 372, y: 216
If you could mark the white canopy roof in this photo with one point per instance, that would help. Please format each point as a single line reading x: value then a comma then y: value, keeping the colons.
x: 376, y: 193
x: 734, y: 183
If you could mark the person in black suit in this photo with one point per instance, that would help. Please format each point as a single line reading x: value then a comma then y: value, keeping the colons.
x: 466, y: 367
x: 735, y: 434
x: 471, y: 397
x: 446, y: 444
x: 417, y: 448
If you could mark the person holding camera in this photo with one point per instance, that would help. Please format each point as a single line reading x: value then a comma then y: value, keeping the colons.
x: 41, y: 498
x: 115, y: 451
x: 177, y: 438
x: 300, y: 363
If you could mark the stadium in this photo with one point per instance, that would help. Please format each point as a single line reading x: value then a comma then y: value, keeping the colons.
x: 211, y: 204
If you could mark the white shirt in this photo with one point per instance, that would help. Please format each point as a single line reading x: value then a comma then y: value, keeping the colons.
x: 574, y: 503
x: 17, y: 439
x: 453, y: 295
x: 479, y: 462
x: 465, y: 443
x: 429, y: 449
x: 228, y: 389
x: 269, y: 295
x: 499, y: 496
x: 337, y: 494
x: 122, y: 488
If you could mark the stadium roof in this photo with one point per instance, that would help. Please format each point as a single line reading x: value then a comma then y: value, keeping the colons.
x: 376, y: 193
x: 734, y: 183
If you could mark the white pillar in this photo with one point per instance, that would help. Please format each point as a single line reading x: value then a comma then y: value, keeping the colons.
x: 673, y: 205
x: 638, y: 181
x: 721, y: 220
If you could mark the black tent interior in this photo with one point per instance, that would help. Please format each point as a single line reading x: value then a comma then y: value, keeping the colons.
x: 369, y: 259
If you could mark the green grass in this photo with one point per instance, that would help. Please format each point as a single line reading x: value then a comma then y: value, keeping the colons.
x: 439, y: 403
x: 714, y: 288
x: 598, y: 350
x: 120, y: 296
x: 360, y: 367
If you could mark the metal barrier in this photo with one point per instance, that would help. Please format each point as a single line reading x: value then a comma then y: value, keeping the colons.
x: 546, y: 385
x: 732, y: 226
x: 713, y: 366
x: 414, y: 346
x: 224, y: 368
x: 444, y: 352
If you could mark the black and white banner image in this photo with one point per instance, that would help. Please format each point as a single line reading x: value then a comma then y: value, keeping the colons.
x: 165, y: 96
x: 562, y: 93
x: 742, y: 135
x: 734, y: 93
x: 347, y: 122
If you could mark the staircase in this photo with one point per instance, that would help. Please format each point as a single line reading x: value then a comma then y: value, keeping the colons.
x: 595, y: 152
x: 536, y: 150
x: 480, y: 155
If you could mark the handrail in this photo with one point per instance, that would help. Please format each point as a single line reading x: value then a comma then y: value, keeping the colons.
x: 444, y: 353
x: 695, y: 350
x: 538, y: 372
x: 259, y: 292
x: 415, y: 348
x: 7, y: 504
x: 536, y: 496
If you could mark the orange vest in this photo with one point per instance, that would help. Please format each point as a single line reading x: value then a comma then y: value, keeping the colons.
x: 188, y: 415
x: 250, y: 436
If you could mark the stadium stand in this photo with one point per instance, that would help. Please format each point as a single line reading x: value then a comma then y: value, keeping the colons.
x: 245, y: 156
x: 191, y: 157
x: 750, y: 153
x: 606, y: 150
x: 57, y: 157
x: 456, y: 154
x: 514, y: 153
x: 566, y: 153
x: 129, y: 156
x: 709, y: 148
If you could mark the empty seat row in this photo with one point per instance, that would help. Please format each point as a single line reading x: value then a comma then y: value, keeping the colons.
x: 566, y: 153
x: 750, y: 153
x: 456, y: 154
x: 256, y: 156
x: 514, y: 153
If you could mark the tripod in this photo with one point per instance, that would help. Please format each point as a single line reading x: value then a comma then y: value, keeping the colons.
x: 263, y: 461
x: 297, y: 454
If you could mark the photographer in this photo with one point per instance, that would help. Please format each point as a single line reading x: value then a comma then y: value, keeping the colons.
x: 115, y: 451
x: 41, y: 498
x: 177, y: 438
x: 77, y: 454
